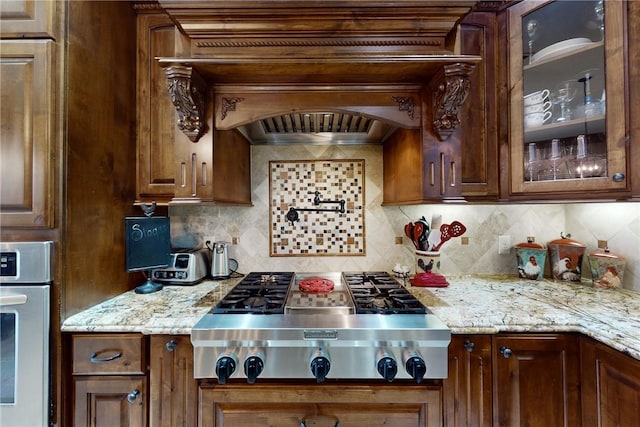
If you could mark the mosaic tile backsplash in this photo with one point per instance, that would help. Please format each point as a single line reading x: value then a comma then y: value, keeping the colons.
x: 618, y: 223
x: 321, y: 229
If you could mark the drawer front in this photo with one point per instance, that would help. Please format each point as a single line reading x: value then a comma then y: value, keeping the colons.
x: 112, y: 354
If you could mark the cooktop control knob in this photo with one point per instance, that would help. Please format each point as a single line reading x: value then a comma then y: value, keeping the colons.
x: 226, y: 366
x: 253, y: 366
x: 320, y: 364
x: 386, y: 365
x: 415, y: 366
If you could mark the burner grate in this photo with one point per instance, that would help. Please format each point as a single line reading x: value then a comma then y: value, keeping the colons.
x: 259, y: 293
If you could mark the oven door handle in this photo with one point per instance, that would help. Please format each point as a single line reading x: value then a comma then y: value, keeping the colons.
x: 12, y: 300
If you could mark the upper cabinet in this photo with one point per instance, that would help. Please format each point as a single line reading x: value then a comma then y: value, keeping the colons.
x: 174, y: 166
x: 567, y: 82
x: 27, y: 117
x: 28, y: 19
x: 282, y: 69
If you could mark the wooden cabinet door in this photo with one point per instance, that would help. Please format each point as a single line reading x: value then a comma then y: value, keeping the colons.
x: 536, y: 380
x: 27, y: 133
x: 173, y: 389
x: 581, y: 150
x: 156, y: 121
x: 28, y: 19
x: 610, y: 386
x: 479, y: 115
x: 293, y: 405
x: 110, y: 401
x: 467, y: 391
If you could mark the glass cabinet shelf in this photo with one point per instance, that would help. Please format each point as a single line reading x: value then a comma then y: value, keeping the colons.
x: 593, y: 124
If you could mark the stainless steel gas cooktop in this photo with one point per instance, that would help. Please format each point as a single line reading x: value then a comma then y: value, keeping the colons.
x: 353, y: 325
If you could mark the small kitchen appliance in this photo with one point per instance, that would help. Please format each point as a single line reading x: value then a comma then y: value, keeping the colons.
x: 368, y: 326
x: 185, y: 268
x: 220, y: 261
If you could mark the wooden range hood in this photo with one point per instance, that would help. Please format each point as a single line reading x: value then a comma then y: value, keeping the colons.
x: 245, y: 46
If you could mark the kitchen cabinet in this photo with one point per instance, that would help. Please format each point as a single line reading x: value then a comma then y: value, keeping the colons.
x: 610, y: 386
x: 536, y: 380
x: 109, y: 379
x: 156, y: 177
x: 568, y: 118
x: 28, y: 19
x: 479, y: 116
x: 27, y: 163
x: 173, y: 391
x: 296, y: 404
x: 467, y: 391
x: 171, y: 168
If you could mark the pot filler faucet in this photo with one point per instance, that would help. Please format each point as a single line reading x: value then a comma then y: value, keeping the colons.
x: 292, y: 215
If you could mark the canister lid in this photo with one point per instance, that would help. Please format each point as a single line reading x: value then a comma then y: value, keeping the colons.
x: 566, y: 241
x: 605, y: 253
x: 530, y: 244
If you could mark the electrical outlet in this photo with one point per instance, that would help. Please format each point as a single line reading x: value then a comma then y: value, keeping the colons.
x: 398, y: 240
x: 235, y: 240
x: 209, y: 240
x: 504, y: 244
x: 464, y: 240
x: 602, y: 244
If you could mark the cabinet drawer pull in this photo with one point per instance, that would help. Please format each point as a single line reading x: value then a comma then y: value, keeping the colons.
x: 506, y: 352
x: 320, y: 418
x: 171, y: 345
x: 97, y: 359
x: 469, y: 345
x: 194, y: 175
x: 131, y: 397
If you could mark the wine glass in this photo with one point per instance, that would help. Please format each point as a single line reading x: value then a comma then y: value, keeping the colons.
x: 564, y: 93
x: 532, y: 32
x: 599, y: 11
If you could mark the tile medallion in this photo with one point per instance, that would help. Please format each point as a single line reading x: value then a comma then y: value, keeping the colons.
x: 306, y: 197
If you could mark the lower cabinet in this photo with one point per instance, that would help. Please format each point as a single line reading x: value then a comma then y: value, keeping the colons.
x: 467, y: 391
x: 610, y: 386
x: 303, y: 404
x: 536, y: 380
x: 110, y: 402
x: 500, y: 380
x: 173, y: 391
x: 109, y: 380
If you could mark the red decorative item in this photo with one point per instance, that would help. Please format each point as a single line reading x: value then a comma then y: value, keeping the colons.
x: 316, y: 285
x: 447, y: 231
x: 429, y: 280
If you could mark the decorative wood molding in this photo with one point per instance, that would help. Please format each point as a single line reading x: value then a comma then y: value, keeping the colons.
x: 405, y: 104
x: 228, y: 104
x: 313, y: 43
x: 187, y: 91
x: 449, y: 88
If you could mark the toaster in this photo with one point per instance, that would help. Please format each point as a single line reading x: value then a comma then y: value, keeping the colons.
x: 185, y: 268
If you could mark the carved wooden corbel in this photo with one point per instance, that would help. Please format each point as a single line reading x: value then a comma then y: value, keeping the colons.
x: 449, y: 89
x: 187, y: 92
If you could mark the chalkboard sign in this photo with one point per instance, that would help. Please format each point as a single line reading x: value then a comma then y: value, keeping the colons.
x: 148, y: 242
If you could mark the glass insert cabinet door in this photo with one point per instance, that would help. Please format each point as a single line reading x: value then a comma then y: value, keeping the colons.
x: 567, y: 96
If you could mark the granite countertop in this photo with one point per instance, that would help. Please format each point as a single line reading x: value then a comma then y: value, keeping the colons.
x: 469, y: 305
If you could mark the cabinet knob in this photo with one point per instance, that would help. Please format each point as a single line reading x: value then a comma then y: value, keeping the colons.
x: 131, y: 397
x: 469, y: 345
x: 171, y: 345
x: 506, y: 352
x: 618, y: 177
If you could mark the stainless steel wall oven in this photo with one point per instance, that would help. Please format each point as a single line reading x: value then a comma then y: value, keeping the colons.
x: 25, y: 281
